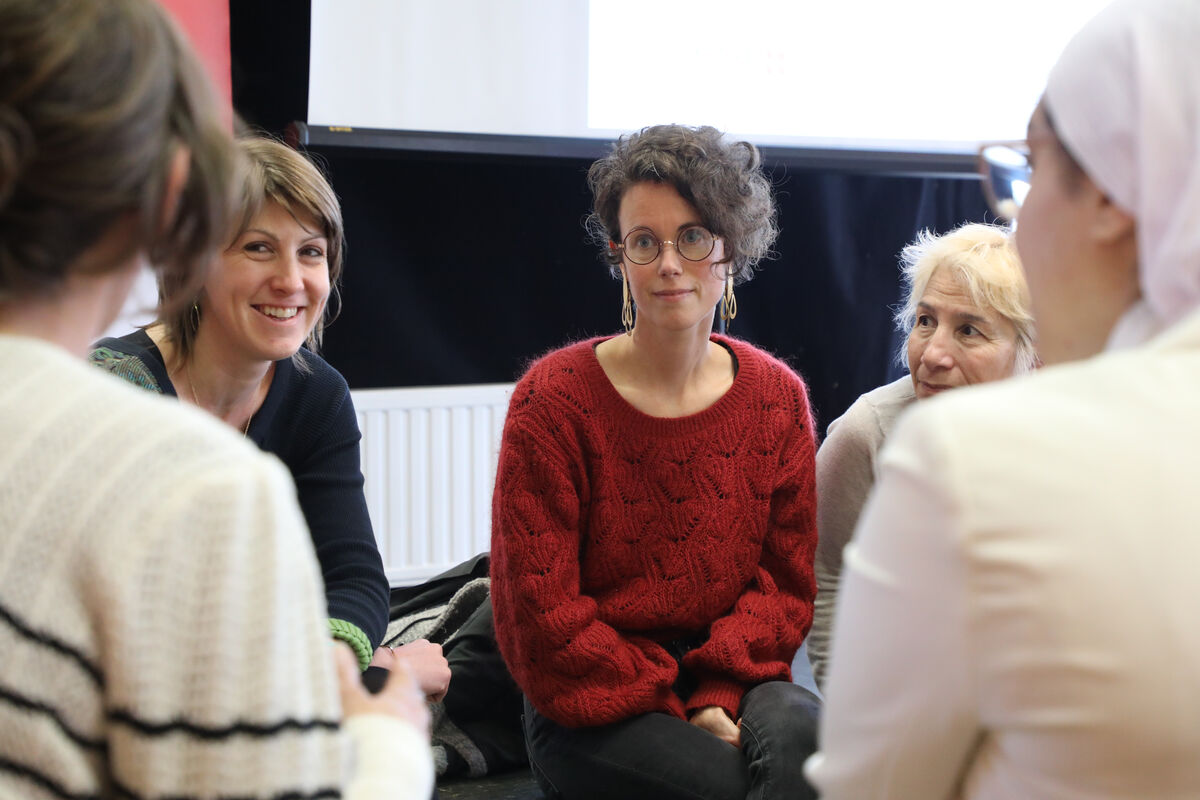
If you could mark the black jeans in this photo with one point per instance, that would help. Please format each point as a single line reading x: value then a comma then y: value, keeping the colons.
x: 663, y: 757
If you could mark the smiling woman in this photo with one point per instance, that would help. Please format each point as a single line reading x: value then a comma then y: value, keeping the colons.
x: 161, y: 603
x: 271, y: 287
x: 243, y: 349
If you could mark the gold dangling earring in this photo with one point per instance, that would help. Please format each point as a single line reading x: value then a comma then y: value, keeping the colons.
x: 728, y: 302
x: 626, y: 306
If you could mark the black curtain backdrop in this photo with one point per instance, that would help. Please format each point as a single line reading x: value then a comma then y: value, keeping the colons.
x: 460, y: 269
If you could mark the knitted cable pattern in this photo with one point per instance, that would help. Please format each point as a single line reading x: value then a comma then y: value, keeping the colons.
x: 617, y: 535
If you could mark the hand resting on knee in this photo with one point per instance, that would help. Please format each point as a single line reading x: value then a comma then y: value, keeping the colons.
x: 716, y: 721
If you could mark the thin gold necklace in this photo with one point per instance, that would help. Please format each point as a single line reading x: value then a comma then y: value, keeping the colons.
x: 196, y: 400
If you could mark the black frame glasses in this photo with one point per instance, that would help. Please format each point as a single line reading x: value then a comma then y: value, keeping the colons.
x: 693, y: 253
x: 1005, y: 171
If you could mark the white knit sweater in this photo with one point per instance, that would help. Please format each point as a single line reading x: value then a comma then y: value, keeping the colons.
x: 161, y: 613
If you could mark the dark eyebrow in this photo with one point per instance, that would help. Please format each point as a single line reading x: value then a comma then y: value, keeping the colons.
x: 682, y: 227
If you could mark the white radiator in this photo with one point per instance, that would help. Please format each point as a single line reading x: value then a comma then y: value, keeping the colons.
x: 429, y: 458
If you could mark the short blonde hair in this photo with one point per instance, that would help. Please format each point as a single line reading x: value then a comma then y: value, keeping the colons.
x: 272, y: 173
x: 985, y: 259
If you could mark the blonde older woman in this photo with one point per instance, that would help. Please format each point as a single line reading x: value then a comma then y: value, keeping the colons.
x: 1018, y: 616
x: 967, y: 321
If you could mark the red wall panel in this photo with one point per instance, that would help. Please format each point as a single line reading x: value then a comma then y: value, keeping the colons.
x: 206, y: 23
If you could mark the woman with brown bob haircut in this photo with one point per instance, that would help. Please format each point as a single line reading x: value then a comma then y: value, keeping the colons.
x: 160, y: 606
x: 654, y: 515
x: 243, y: 347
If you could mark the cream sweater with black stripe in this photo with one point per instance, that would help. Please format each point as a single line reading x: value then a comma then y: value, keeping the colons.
x: 161, y: 613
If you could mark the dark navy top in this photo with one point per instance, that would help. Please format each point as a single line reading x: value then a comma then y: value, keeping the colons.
x: 308, y: 421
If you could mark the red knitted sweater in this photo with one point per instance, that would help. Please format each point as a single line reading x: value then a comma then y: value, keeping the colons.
x: 614, y: 533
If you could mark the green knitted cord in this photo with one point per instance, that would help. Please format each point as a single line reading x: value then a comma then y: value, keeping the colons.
x: 352, y: 635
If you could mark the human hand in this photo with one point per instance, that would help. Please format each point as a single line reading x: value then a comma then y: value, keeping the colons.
x: 716, y: 721
x: 382, y: 657
x: 400, y: 697
x: 426, y: 661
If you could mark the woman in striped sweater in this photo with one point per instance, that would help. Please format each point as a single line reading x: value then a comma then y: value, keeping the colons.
x: 161, y: 611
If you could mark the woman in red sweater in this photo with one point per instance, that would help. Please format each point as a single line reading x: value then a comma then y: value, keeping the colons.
x: 654, y: 513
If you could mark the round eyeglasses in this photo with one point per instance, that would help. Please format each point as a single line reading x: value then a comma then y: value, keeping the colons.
x: 1004, y: 169
x: 695, y: 243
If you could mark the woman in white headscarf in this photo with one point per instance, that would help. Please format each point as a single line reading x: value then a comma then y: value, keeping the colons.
x: 1018, y: 607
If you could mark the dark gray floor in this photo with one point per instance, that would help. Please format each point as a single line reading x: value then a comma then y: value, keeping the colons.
x: 510, y: 786
x: 520, y: 785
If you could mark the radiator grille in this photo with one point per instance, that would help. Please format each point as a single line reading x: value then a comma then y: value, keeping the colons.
x: 429, y: 459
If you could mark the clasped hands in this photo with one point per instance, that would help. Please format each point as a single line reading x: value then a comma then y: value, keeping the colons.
x: 716, y: 721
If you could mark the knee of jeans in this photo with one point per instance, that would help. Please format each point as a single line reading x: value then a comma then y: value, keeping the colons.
x: 784, y: 707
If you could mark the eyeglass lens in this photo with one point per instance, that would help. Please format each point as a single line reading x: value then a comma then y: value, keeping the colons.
x: 1007, y: 178
x: 694, y: 244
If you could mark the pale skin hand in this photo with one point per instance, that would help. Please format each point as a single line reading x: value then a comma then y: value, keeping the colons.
x: 400, y: 697
x: 716, y: 721
x: 426, y: 662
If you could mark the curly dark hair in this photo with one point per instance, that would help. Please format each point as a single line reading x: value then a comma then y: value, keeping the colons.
x: 723, y: 180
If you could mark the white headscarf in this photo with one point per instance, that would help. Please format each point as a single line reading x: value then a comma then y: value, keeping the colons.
x: 1124, y: 98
